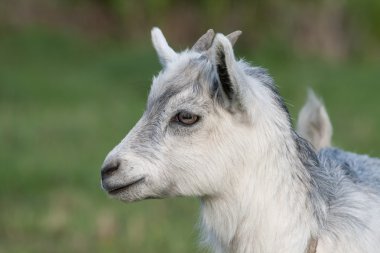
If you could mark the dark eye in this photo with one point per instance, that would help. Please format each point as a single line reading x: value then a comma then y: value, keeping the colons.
x: 186, y: 118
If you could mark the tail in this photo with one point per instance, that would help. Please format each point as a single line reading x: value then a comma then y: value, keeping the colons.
x: 314, y: 123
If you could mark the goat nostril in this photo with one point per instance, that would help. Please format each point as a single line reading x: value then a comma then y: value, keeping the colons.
x: 109, y: 169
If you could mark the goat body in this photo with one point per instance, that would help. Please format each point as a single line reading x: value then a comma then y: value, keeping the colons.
x: 216, y: 128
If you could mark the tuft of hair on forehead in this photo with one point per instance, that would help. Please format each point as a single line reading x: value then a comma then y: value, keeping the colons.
x: 190, y: 71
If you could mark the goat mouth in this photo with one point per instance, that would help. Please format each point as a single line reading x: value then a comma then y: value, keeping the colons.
x: 117, y: 190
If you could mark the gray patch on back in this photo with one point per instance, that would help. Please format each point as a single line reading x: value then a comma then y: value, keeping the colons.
x: 335, y: 175
x: 360, y: 169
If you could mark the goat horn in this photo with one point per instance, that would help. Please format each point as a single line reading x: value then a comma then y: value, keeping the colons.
x: 233, y: 37
x: 204, y: 42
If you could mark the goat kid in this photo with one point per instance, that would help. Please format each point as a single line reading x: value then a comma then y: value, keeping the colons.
x: 216, y: 128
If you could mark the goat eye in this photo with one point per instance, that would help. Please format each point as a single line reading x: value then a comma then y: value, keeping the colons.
x: 186, y: 118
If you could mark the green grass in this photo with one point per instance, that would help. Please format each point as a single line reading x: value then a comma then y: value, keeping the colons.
x: 64, y: 103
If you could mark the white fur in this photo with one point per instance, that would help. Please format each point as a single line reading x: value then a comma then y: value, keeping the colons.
x: 242, y: 160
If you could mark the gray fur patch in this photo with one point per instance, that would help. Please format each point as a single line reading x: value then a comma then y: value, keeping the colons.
x: 360, y: 169
x: 320, y: 191
x: 333, y: 174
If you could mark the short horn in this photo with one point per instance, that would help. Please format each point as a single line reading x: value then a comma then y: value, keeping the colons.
x: 204, y: 42
x: 233, y: 37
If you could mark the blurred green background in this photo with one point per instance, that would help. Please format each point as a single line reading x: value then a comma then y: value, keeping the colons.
x: 74, y: 78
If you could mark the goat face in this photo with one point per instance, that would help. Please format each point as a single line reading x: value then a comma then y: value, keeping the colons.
x: 193, y: 130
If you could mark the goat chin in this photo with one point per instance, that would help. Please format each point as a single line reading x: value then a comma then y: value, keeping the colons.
x: 216, y: 128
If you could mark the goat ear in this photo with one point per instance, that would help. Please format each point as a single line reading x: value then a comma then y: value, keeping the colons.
x: 165, y: 53
x: 225, y: 65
